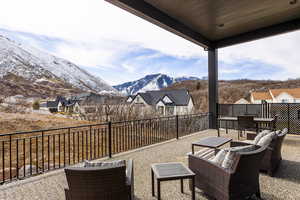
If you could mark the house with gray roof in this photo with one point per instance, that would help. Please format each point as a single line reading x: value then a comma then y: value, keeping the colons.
x: 166, y: 102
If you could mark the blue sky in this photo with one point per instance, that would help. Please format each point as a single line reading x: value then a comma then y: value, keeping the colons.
x: 125, y: 48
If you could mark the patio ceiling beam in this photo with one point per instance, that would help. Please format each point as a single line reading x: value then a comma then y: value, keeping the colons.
x: 285, y: 27
x: 157, y: 17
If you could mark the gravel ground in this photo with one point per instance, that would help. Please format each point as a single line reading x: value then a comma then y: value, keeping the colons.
x: 285, y: 184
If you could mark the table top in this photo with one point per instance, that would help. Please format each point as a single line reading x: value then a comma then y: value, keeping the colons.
x: 256, y: 119
x: 212, y: 142
x: 171, y: 171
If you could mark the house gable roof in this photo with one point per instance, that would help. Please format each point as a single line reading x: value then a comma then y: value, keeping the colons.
x: 261, y: 95
x: 294, y: 92
x: 179, y: 97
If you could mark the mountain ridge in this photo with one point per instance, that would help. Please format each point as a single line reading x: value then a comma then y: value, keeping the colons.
x: 150, y: 82
x: 33, y: 64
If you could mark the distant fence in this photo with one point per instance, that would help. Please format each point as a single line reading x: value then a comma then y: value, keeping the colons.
x: 288, y: 114
x: 25, y: 154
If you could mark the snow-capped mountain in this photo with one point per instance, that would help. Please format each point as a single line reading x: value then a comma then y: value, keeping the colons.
x: 150, y: 82
x: 34, y: 65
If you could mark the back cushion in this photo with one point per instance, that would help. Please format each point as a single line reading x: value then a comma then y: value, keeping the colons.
x: 260, y: 135
x: 267, y: 139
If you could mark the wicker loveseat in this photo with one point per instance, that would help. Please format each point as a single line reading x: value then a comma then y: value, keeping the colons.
x: 241, y: 181
x: 96, y: 183
x: 272, y: 158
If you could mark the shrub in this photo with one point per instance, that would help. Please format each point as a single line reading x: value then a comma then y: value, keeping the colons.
x: 36, y: 105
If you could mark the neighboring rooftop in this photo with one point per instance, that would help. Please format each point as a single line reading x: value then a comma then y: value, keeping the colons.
x: 261, y: 95
x: 294, y: 92
x: 178, y: 97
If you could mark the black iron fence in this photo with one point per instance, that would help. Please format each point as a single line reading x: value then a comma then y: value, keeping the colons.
x: 288, y: 114
x: 25, y: 154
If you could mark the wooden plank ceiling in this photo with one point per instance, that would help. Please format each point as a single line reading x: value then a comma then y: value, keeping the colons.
x: 217, y: 21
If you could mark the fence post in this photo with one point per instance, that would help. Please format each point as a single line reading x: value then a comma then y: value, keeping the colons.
x: 177, y: 127
x: 43, y: 161
x: 10, y: 161
x: 109, y: 140
x: 288, y: 118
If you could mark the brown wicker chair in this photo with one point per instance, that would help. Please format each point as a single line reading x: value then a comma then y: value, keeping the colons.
x: 100, y: 183
x: 240, y: 182
x: 272, y: 158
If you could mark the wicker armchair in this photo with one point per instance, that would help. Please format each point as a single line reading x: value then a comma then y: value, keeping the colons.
x: 100, y: 183
x: 240, y: 182
x: 272, y: 158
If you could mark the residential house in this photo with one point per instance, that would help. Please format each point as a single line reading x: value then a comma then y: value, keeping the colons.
x: 86, y: 102
x: 287, y: 95
x: 58, y: 105
x: 81, y: 103
x: 166, y: 102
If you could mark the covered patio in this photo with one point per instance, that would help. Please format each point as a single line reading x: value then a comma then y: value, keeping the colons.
x: 211, y: 25
x: 217, y: 24
x: 50, y: 186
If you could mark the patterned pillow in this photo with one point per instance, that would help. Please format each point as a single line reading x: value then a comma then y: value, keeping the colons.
x: 267, y: 139
x: 260, y: 135
x: 284, y: 131
x: 229, y: 160
x: 219, y: 158
x: 117, y: 163
x: 231, y: 154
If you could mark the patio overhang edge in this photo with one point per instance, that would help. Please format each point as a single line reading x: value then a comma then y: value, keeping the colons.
x: 273, y: 30
x: 157, y: 17
x: 148, y: 12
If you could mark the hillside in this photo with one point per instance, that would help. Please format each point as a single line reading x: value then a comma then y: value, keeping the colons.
x: 230, y: 91
x: 40, y: 70
x: 12, y: 122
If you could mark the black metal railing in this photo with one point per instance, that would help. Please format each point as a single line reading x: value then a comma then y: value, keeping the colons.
x: 25, y: 154
x: 288, y: 114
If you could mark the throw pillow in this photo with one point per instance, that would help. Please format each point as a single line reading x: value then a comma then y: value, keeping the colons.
x: 267, y: 139
x: 260, y: 135
x: 219, y: 158
x: 284, y: 131
x: 117, y: 163
x: 229, y: 160
x: 92, y: 164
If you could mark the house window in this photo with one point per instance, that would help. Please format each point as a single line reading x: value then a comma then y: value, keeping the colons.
x: 170, y: 110
x: 160, y: 110
x: 298, y: 114
x: 138, y: 99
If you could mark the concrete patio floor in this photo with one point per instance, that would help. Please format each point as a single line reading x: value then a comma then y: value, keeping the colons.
x: 285, y: 184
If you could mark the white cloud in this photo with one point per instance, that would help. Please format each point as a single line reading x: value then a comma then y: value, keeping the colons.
x: 91, y: 20
x: 101, y: 32
x: 282, y: 51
